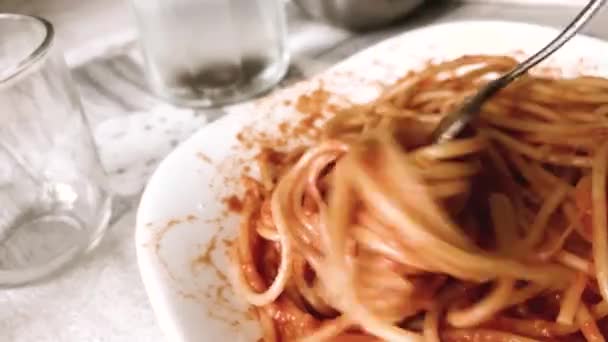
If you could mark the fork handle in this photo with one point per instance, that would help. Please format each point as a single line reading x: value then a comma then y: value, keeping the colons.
x: 452, y: 124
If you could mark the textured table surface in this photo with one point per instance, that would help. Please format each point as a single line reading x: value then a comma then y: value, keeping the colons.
x: 102, y: 298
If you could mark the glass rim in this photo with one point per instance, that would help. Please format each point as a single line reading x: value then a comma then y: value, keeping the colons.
x: 30, y: 58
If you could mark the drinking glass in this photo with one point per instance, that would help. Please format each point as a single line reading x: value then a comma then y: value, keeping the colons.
x: 54, y: 203
x: 210, y: 52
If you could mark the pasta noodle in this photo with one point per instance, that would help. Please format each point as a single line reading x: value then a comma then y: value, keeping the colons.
x: 373, y: 233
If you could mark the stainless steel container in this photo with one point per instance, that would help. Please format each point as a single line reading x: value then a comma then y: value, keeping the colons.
x: 358, y: 14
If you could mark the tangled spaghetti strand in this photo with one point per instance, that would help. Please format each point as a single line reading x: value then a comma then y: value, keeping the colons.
x: 374, y: 234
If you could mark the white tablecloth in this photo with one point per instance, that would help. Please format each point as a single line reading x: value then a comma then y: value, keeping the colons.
x: 102, y: 298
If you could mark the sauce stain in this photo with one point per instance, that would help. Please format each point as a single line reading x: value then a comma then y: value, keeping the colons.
x: 217, y: 295
x: 156, y: 243
x: 203, y: 157
x: 233, y: 203
x: 205, y: 258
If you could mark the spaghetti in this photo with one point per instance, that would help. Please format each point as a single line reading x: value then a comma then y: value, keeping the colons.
x: 375, y: 234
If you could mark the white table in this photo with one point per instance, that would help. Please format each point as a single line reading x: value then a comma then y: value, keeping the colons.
x: 102, y: 298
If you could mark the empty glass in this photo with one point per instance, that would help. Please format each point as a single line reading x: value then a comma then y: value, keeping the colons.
x: 211, y: 52
x: 53, y: 200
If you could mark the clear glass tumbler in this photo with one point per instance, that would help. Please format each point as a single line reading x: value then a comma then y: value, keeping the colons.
x: 205, y: 53
x: 53, y: 200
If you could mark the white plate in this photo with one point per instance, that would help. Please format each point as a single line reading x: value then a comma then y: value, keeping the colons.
x: 182, y: 219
